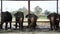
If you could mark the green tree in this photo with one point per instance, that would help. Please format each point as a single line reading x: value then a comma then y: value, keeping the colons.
x: 37, y: 10
x: 24, y: 10
x: 47, y: 12
x: 13, y: 12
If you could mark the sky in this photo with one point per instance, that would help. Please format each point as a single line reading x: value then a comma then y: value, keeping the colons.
x: 15, y: 5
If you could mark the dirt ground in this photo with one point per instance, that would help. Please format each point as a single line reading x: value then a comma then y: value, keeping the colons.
x: 33, y: 33
x: 40, y: 22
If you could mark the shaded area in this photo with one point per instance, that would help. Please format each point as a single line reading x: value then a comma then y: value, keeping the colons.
x: 25, y: 29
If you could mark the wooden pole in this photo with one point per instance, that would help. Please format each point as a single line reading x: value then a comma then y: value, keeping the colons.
x: 28, y: 6
x: 1, y: 9
x: 1, y: 6
x: 57, y: 6
x: 28, y: 12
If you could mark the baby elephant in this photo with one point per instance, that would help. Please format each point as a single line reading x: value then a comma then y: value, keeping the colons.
x: 32, y: 19
x: 54, y: 21
x: 19, y: 17
x: 6, y: 18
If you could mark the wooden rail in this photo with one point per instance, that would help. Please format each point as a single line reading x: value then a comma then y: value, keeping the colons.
x: 37, y: 21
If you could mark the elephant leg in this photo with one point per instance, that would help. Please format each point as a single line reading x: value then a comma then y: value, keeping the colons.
x: 19, y: 25
x: 16, y: 25
x: 1, y: 25
x: 35, y: 24
x: 20, y: 20
x: 57, y: 25
x: 54, y: 26
x: 29, y: 21
x: 6, y: 26
x: 10, y: 25
x: 51, y: 26
x: 22, y: 24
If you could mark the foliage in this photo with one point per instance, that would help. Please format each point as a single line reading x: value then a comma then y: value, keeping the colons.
x: 47, y: 12
x: 38, y: 10
x: 24, y: 10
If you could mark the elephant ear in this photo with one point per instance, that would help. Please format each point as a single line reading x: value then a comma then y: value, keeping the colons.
x: 16, y: 14
x: 28, y: 15
x: 51, y: 15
